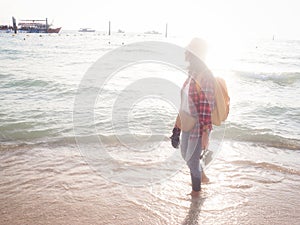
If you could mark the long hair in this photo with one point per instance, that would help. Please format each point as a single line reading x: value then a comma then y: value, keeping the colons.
x: 197, y: 66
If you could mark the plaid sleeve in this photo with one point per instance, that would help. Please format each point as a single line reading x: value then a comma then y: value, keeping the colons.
x: 201, y: 104
x: 207, y: 102
x: 194, y: 99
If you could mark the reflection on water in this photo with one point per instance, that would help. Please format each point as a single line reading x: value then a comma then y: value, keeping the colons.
x: 193, y: 216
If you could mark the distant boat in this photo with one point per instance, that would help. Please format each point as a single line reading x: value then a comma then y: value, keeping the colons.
x: 86, y: 30
x: 30, y: 26
x: 36, y: 26
x: 152, y: 32
x: 6, y: 29
x: 121, y: 31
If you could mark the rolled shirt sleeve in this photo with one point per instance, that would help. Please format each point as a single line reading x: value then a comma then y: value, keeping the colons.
x: 201, y: 104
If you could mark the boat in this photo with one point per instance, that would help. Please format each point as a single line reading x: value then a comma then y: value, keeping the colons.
x: 9, y: 28
x: 30, y: 26
x: 152, y: 32
x: 54, y: 30
x: 36, y: 26
x: 86, y: 30
x: 6, y: 29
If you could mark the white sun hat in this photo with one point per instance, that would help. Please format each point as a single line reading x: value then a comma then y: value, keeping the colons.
x: 198, y: 47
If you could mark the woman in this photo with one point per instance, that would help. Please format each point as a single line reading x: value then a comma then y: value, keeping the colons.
x: 197, y: 100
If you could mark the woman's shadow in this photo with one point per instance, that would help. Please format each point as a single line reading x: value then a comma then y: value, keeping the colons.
x: 192, y: 217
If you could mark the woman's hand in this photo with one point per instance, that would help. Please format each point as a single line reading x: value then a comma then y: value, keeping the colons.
x: 175, y: 137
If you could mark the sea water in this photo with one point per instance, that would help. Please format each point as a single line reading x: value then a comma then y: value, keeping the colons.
x: 121, y: 168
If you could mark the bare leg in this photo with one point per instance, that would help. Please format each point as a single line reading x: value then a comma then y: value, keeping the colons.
x: 204, y: 178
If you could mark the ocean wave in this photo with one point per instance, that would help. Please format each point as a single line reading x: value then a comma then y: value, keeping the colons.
x: 26, y: 133
x: 47, y: 87
x: 52, y: 129
x: 32, y: 130
x: 16, y: 54
x: 29, y: 83
x: 58, y: 141
x: 267, y: 166
x: 280, y: 78
x: 121, y: 138
x: 26, y: 83
x: 6, y: 75
x: 262, y: 137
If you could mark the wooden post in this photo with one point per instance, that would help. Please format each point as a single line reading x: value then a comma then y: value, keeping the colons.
x: 166, y: 34
x: 14, y: 24
x: 47, y: 26
x: 109, y: 28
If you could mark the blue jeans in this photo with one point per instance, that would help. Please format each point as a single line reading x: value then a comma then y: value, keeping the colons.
x: 191, y: 151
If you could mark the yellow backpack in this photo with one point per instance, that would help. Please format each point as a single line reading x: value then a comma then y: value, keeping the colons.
x: 222, y: 102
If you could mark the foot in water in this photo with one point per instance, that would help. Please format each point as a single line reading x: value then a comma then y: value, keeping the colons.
x: 195, y: 194
x: 204, y: 178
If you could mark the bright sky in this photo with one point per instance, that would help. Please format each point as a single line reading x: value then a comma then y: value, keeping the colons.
x: 207, y: 18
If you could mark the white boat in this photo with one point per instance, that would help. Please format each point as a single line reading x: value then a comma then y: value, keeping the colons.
x: 86, y: 30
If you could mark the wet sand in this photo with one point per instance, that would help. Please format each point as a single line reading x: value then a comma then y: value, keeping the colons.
x: 54, y: 185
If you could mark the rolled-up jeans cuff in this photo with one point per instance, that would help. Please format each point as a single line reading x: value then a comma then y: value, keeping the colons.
x: 196, y: 183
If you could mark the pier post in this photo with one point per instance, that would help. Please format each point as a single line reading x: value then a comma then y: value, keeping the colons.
x: 47, y: 26
x: 166, y: 34
x: 14, y: 24
x: 109, y: 28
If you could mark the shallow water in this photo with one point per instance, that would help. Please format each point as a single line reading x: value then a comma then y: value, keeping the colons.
x: 46, y: 185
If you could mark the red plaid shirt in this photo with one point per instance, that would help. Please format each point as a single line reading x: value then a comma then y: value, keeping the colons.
x: 201, y: 104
